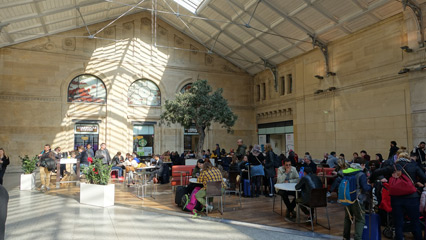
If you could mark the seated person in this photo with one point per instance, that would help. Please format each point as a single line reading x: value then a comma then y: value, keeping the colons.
x: 130, y: 165
x: 117, y: 163
x: 209, y: 174
x: 308, y: 182
x: 158, y: 168
x: 82, y: 156
x: 288, y: 174
x: 198, y: 168
x: 309, y: 163
x: 135, y: 157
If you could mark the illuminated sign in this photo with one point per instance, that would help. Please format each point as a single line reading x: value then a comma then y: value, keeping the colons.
x: 86, y: 129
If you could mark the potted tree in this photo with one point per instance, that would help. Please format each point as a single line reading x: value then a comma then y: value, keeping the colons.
x: 96, y: 191
x: 28, y: 177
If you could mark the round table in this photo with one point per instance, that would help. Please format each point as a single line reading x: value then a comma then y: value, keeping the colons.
x: 194, y: 180
x: 287, y: 187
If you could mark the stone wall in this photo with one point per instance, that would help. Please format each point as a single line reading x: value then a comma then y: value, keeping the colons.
x: 372, y: 104
x: 34, y: 78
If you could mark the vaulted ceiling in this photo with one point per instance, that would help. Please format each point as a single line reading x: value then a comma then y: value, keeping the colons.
x: 242, y: 31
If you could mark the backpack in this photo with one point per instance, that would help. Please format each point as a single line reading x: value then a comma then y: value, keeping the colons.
x: 301, y: 174
x: 400, y: 183
x: 191, y: 202
x: 276, y: 160
x: 349, y: 189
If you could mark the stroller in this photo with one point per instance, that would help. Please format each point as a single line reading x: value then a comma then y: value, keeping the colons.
x: 382, y: 200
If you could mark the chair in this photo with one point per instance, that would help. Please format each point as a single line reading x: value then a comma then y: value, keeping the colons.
x: 318, y: 199
x: 233, y: 183
x: 214, y: 189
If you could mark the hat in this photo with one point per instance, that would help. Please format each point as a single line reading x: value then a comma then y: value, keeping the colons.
x: 256, y: 148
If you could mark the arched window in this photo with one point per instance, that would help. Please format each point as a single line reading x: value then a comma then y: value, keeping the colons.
x: 144, y: 92
x: 87, y: 88
x: 186, y: 88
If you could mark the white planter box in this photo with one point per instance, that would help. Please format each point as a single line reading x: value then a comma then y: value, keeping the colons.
x: 27, y: 181
x: 97, y: 195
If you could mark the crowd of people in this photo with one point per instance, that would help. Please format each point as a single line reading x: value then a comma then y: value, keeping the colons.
x: 85, y: 155
x: 256, y: 166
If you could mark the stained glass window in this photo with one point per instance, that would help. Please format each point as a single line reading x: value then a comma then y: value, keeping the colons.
x: 186, y: 88
x: 87, y: 88
x: 144, y: 92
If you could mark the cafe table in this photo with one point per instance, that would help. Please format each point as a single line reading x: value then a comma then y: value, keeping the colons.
x: 291, y: 187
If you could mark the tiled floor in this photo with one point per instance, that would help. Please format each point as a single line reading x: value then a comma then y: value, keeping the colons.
x: 35, y: 215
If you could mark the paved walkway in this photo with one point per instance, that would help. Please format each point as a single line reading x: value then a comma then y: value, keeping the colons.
x: 35, y: 215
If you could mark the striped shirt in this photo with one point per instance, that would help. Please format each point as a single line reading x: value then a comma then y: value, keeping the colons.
x: 211, y: 175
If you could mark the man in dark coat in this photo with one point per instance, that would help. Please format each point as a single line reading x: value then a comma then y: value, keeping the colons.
x: 308, y: 182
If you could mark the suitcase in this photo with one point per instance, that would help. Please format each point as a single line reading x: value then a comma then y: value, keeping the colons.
x: 247, y: 187
x: 180, y: 191
x: 372, y: 227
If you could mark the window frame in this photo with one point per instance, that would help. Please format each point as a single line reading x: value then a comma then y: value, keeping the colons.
x: 86, y: 74
x: 290, y: 83
x: 146, y: 105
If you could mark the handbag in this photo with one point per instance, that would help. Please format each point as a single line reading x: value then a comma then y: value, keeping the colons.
x: 257, y: 170
x: 130, y: 168
x: 401, y: 184
x: 48, y: 163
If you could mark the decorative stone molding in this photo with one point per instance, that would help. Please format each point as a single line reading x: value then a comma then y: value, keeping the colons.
x: 275, y: 113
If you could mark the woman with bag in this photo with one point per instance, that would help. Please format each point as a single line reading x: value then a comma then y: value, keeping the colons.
x: 269, y: 169
x: 405, y: 199
x: 130, y: 165
x: 257, y: 172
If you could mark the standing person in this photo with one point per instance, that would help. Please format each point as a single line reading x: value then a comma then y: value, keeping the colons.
x: 308, y: 182
x: 217, y: 151
x: 4, y: 200
x: 288, y: 174
x: 356, y: 210
x: 393, y: 149
x: 89, y: 151
x: 419, y: 151
x: 4, y: 161
x: 256, y: 159
x: 376, y: 163
x: 44, y: 172
x: 241, y: 149
x: 332, y: 160
x: 341, y: 165
x: 103, y: 154
x: 405, y: 204
x: 291, y: 156
x: 269, y: 169
x: 117, y: 163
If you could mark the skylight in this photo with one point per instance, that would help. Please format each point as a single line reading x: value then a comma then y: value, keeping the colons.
x: 190, y: 5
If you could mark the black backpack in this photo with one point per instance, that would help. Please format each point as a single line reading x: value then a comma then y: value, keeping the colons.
x: 181, y: 191
x: 276, y: 160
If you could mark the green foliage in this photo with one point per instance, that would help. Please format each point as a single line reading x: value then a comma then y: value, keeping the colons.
x: 28, y: 164
x: 200, y: 106
x: 97, y: 172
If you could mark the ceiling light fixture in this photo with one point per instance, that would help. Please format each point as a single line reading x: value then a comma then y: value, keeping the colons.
x: 331, y: 74
x: 318, y: 91
x: 319, y: 77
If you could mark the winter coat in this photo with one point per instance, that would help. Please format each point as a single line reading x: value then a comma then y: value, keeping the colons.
x: 104, y: 155
x: 306, y: 184
x: 282, y: 175
x: 413, y: 170
x: 269, y: 165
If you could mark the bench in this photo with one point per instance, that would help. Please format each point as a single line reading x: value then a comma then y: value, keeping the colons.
x: 177, y: 170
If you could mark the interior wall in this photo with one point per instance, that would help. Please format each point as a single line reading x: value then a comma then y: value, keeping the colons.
x: 372, y: 104
x: 34, y: 77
